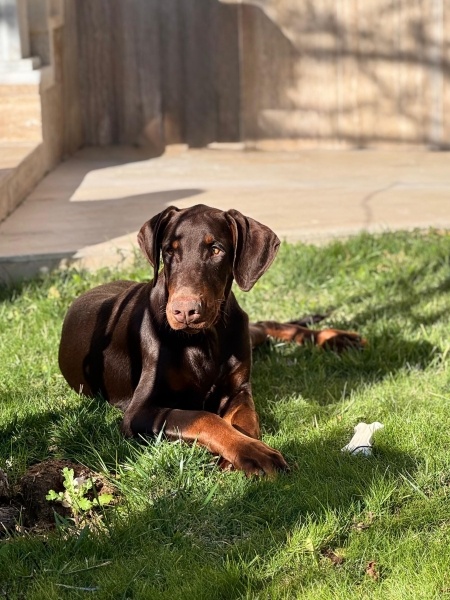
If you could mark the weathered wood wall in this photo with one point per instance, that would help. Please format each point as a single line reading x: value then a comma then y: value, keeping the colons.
x: 158, y: 71
x: 334, y: 72
x: 356, y: 72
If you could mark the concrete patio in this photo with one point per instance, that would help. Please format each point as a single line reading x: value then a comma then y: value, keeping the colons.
x: 88, y: 210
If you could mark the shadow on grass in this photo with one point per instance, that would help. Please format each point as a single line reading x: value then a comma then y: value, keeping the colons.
x: 214, y: 543
x: 25, y: 436
x: 179, y: 544
x: 87, y: 433
x: 324, y: 378
x: 404, y: 296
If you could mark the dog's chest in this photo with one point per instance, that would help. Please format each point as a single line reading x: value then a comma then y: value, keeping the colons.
x: 194, y: 371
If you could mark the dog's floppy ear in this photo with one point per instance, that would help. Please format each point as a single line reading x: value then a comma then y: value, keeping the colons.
x: 150, y: 238
x: 255, y: 247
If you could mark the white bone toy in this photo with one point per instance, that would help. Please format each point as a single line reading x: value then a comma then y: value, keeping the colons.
x: 361, y: 442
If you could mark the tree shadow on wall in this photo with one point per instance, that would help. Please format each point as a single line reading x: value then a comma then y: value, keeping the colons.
x: 212, y: 71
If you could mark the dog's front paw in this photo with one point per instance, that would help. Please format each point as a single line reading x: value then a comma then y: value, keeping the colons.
x: 257, y: 458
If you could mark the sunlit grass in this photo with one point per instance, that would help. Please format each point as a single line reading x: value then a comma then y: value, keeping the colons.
x: 184, y: 529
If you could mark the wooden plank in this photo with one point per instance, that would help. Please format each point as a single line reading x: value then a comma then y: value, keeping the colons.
x: 200, y: 24
x: 96, y: 71
x: 72, y: 129
x: 268, y: 59
x: 120, y: 83
x: 226, y: 68
x: 436, y: 76
x: 173, y: 74
x: 140, y: 86
x: 446, y: 77
x: 347, y: 50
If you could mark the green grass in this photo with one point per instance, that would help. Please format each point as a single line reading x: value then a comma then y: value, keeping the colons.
x: 184, y: 529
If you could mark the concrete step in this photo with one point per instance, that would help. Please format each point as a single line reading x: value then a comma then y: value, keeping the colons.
x: 22, y: 166
x: 22, y: 162
x: 25, y: 64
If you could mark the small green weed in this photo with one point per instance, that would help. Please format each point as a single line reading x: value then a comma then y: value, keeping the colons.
x: 75, y: 495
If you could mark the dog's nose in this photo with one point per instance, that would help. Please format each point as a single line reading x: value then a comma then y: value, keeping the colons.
x: 187, y: 310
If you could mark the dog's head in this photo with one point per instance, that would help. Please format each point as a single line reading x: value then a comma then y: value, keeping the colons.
x: 202, y: 250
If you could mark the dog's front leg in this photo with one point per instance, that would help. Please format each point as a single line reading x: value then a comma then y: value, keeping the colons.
x: 211, y: 431
x: 218, y: 435
x: 239, y: 411
x: 237, y: 407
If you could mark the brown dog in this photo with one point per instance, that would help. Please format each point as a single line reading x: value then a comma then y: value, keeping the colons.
x: 175, y: 353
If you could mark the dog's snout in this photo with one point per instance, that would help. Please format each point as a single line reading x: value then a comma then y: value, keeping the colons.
x: 187, y: 310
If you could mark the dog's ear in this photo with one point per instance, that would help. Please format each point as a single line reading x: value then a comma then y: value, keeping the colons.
x: 150, y: 237
x: 255, y: 247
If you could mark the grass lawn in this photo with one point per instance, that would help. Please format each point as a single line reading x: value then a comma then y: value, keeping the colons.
x: 337, y: 526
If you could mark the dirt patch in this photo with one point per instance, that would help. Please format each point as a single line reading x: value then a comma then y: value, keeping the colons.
x: 27, y: 499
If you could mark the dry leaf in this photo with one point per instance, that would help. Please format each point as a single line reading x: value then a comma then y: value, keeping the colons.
x: 336, y: 559
x: 372, y: 571
x: 365, y: 524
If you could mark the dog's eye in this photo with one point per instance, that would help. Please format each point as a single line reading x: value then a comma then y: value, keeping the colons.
x: 215, y: 250
x: 171, y: 247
